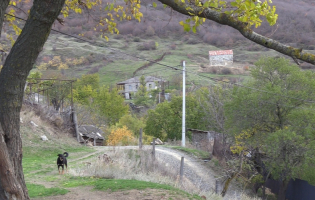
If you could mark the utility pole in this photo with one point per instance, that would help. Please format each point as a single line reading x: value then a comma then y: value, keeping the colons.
x: 184, y: 106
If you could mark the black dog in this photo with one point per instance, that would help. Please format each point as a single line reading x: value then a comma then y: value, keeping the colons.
x: 62, y: 161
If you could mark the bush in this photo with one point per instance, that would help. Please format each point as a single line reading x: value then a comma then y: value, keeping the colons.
x: 226, y: 71
x: 150, y: 31
x: 136, y: 39
x: 173, y: 46
x: 147, y: 46
x: 118, y: 36
x: 189, y: 56
x: 137, y: 32
x: 120, y: 136
x: 193, y: 41
x: 214, y: 71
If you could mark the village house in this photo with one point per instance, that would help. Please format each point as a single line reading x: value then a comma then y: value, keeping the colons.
x: 131, y: 86
x: 221, y: 57
x: 91, y: 134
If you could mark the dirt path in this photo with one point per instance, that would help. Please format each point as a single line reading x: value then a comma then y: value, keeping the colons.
x: 201, y: 177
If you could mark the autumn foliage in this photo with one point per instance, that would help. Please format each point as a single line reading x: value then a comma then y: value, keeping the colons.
x: 120, y: 136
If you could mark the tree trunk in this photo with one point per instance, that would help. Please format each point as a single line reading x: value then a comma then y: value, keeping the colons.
x: 12, y: 81
x: 3, y: 6
x: 282, y: 190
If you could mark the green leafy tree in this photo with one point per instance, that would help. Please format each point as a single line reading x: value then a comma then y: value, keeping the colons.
x: 142, y: 97
x: 132, y: 123
x: 166, y: 120
x: 110, y: 104
x: 276, y: 118
x: 85, y: 89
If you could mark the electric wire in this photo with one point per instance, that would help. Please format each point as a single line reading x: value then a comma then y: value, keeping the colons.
x: 171, y: 67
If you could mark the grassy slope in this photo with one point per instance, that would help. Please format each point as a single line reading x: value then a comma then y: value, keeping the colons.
x: 40, y: 170
x: 123, y: 65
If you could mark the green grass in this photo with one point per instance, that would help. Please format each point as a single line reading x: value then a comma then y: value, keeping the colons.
x: 35, y: 190
x: 123, y: 65
x: 195, y: 152
x: 35, y: 160
x: 121, y: 185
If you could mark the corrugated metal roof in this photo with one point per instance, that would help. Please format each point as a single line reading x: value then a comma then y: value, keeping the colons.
x: 91, y: 132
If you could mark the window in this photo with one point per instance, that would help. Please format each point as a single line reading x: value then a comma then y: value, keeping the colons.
x: 150, y: 86
x: 130, y: 87
x: 136, y: 86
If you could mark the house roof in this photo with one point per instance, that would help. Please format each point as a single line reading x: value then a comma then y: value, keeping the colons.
x: 197, y: 131
x: 137, y: 80
x: 90, y: 131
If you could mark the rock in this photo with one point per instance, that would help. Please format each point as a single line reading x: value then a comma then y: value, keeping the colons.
x: 89, y: 144
x: 33, y: 123
x: 158, y: 142
x: 44, y: 138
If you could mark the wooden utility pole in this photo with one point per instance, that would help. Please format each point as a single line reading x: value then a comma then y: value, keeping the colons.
x: 140, y: 139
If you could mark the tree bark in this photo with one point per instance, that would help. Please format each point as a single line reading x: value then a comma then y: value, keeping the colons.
x: 246, y: 31
x: 282, y: 190
x: 12, y: 81
x: 3, y: 6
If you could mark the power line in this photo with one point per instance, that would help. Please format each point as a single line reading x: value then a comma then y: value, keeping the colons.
x: 174, y: 68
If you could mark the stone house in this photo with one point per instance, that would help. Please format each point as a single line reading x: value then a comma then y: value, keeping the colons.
x: 130, y: 86
x: 221, y: 58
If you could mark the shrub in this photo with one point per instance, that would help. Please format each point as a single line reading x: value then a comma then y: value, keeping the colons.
x: 126, y: 28
x: 147, y: 46
x: 94, y: 70
x: 185, y: 38
x: 137, y: 32
x: 246, y: 68
x: 89, y: 34
x: 173, y: 46
x: 189, y: 56
x: 150, y: 31
x: 118, y: 36
x: 226, y: 71
x: 214, y: 71
x: 136, y: 39
x: 120, y: 136
x: 192, y: 41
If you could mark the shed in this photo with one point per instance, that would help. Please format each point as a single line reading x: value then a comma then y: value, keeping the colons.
x: 90, y: 133
x: 203, y: 140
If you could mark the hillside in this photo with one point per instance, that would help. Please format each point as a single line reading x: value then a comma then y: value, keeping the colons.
x: 90, y: 177
x: 159, y: 33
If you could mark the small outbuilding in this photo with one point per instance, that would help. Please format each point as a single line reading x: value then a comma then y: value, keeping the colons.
x: 91, y: 134
x: 203, y: 140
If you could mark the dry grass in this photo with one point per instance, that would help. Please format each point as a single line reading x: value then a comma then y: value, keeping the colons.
x: 138, y: 165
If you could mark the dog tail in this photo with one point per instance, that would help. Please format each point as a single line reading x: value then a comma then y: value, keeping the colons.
x: 66, y: 154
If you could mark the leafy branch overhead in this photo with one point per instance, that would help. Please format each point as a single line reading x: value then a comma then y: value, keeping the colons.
x: 240, y: 15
